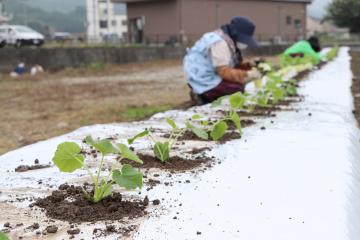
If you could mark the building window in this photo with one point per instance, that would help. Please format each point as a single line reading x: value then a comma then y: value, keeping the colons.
x: 124, y: 22
x: 297, y: 23
x: 103, y: 24
x: 113, y: 23
x: 288, y: 20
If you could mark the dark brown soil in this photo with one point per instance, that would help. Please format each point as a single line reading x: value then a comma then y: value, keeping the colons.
x: 244, y: 123
x: 69, y: 204
x: 356, y: 83
x: 230, y: 135
x: 25, y: 168
x: 199, y: 150
x: 264, y: 111
x: 175, y: 163
x: 112, y: 230
x: 287, y: 102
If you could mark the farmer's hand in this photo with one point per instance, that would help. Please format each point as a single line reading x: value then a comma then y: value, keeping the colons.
x: 245, y: 66
x: 232, y: 74
x: 253, y: 74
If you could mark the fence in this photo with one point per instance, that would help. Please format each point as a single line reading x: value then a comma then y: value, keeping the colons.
x: 161, y: 40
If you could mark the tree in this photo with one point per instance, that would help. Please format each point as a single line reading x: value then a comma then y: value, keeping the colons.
x: 345, y: 13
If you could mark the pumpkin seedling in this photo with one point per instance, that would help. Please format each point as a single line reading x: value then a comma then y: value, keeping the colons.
x: 162, y: 149
x: 68, y: 158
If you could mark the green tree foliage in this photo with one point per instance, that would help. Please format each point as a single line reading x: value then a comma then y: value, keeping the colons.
x: 345, y: 13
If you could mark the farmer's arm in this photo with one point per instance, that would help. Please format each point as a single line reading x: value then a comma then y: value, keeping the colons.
x: 221, y: 58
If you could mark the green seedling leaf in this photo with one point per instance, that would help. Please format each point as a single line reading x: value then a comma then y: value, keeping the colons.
x: 201, y: 133
x: 291, y: 90
x: 101, y: 192
x: 263, y: 100
x: 197, y: 131
x: 218, y: 130
x: 3, y: 236
x: 171, y: 123
x: 236, y: 120
x: 128, y: 154
x: 68, y: 157
x: 140, y: 135
x: 204, y: 123
x: 278, y: 94
x: 104, y: 146
x: 218, y: 101
x: 128, y: 177
x: 162, y: 151
x: 237, y: 100
x: 196, y: 117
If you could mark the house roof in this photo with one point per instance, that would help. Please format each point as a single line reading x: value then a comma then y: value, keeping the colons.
x: 130, y: 1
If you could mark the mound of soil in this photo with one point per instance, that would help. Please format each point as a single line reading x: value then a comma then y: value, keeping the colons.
x: 230, y: 135
x: 258, y: 112
x: 68, y: 204
x: 355, y: 88
x: 175, y: 163
x: 244, y: 123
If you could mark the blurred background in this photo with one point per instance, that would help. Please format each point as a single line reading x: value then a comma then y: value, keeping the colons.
x: 86, y: 62
x: 124, y: 22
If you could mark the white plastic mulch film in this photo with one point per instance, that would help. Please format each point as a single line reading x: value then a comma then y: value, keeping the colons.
x: 298, y: 179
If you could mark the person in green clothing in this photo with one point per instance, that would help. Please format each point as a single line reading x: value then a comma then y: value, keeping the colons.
x: 301, y: 52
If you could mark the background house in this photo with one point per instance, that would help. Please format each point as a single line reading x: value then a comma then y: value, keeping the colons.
x: 104, y: 23
x: 326, y: 28
x: 186, y: 20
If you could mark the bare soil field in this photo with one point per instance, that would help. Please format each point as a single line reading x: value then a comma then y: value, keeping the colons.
x: 51, y: 104
x: 34, y: 109
x: 356, y: 82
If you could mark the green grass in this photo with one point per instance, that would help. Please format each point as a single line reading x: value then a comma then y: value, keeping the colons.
x: 138, y: 113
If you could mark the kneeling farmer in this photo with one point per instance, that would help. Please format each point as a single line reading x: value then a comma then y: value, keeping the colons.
x: 214, y: 65
x: 305, y: 49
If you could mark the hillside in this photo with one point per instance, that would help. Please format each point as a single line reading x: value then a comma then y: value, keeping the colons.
x: 72, y: 21
x: 63, y: 6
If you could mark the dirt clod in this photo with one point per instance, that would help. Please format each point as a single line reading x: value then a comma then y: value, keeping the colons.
x: 156, y: 202
x: 35, y: 226
x: 51, y: 229
x: 25, y: 168
x: 73, y: 231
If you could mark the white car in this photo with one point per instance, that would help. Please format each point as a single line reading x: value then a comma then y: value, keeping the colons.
x: 18, y: 36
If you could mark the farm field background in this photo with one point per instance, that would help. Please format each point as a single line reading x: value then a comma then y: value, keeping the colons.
x: 52, y: 104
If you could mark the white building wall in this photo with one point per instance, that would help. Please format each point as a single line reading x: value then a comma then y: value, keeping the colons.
x: 102, y: 21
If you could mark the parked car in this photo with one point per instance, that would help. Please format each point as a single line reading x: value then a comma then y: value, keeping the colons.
x: 62, y: 37
x: 18, y: 36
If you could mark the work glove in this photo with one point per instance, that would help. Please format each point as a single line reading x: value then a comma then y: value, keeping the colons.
x: 253, y: 74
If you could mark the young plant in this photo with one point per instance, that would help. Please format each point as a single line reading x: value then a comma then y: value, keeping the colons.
x: 68, y: 158
x: 332, y: 54
x: 162, y: 149
x: 274, y: 87
x: 237, y: 102
x: 262, y: 98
